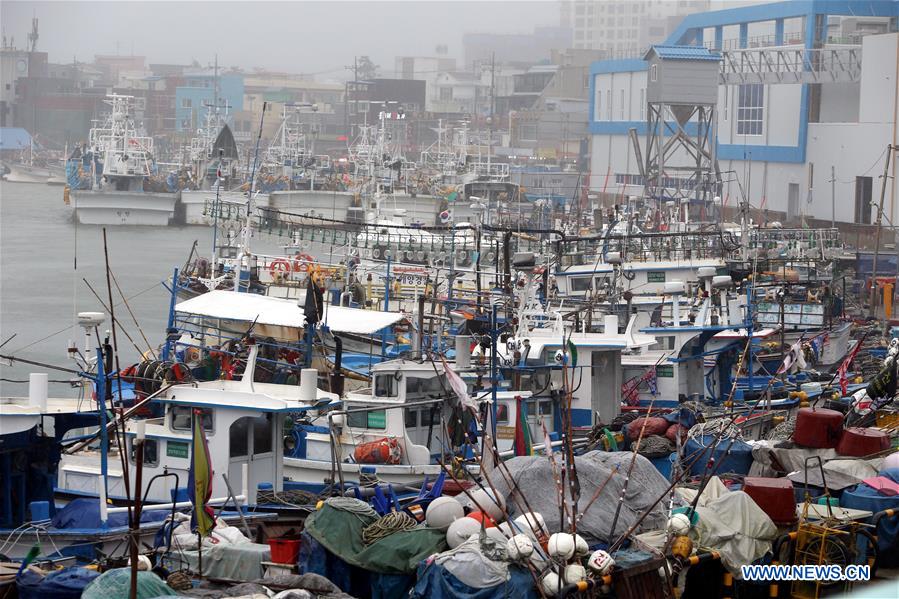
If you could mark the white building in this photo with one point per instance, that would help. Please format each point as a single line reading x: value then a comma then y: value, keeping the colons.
x: 623, y: 27
x: 788, y: 110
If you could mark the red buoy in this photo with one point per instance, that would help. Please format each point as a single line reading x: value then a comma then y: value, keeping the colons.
x: 862, y: 442
x: 819, y: 428
x: 775, y: 497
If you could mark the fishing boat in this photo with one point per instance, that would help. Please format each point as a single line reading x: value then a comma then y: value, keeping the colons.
x: 114, y: 180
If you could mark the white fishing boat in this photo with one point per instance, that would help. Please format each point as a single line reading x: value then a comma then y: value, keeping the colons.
x: 118, y: 164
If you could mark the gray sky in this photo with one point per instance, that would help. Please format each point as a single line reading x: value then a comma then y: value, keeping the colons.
x: 302, y: 36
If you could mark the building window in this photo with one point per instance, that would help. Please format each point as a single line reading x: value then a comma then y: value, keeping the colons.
x: 643, y: 104
x: 608, y: 104
x: 863, y: 200
x: 654, y: 73
x: 750, y: 109
x: 597, y: 100
x: 527, y: 132
x: 186, y: 103
x: 446, y: 93
x: 622, y: 105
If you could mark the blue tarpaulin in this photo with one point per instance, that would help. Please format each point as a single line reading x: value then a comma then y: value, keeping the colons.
x: 85, y: 513
x: 863, y: 497
x: 68, y: 583
x: 14, y: 138
x: 737, y: 461
x: 436, y: 582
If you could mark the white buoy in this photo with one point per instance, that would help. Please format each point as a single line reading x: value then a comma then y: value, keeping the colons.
x: 442, y: 512
x: 601, y: 562
x: 574, y: 573
x: 580, y: 546
x: 679, y: 524
x: 519, y: 547
x: 484, y: 501
x: 461, y: 530
x: 551, y: 584
x: 532, y: 522
x: 561, y: 546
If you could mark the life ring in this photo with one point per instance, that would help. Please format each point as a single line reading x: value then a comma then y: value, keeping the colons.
x: 377, y: 252
x: 463, y: 258
x: 281, y: 266
x: 303, y: 263
x: 490, y: 257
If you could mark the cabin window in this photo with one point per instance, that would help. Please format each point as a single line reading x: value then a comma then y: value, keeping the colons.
x: 374, y: 419
x: 181, y: 418
x: 424, y: 387
x: 262, y: 434
x: 654, y: 73
x: 238, y: 438
x: 546, y: 408
x: 386, y: 386
x: 411, y: 417
x: 502, y: 413
x: 666, y: 342
x: 151, y: 452
x: 580, y: 283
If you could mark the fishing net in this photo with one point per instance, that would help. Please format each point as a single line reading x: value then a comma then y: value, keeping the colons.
x: 533, y: 477
x: 654, y: 446
x: 116, y: 584
x: 714, y: 427
x: 783, y: 431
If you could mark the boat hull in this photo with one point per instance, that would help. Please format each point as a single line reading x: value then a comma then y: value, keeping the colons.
x: 22, y: 173
x: 123, y: 207
x: 197, y: 205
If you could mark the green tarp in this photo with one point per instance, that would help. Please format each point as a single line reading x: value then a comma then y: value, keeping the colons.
x: 340, y: 532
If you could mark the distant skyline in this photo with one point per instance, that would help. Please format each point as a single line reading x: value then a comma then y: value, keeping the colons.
x: 314, y: 37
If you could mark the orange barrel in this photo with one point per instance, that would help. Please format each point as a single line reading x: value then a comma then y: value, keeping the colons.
x: 861, y: 442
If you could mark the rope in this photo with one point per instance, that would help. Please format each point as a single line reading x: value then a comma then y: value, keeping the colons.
x: 386, y: 526
x: 353, y: 506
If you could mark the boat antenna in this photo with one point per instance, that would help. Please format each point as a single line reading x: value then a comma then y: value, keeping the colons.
x: 252, y: 187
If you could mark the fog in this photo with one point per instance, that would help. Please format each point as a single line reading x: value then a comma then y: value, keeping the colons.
x: 299, y: 37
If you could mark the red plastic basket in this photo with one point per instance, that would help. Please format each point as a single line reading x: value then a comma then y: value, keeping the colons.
x: 284, y: 550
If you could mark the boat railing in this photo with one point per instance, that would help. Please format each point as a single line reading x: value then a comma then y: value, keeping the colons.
x: 647, y: 247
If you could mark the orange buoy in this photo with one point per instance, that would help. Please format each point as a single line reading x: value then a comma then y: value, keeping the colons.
x: 379, y: 451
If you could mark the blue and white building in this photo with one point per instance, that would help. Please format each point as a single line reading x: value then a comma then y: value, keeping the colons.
x: 807, y: 88
x: 199, y: 91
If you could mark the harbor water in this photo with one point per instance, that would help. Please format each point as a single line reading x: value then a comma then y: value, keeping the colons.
x: 44, y: 257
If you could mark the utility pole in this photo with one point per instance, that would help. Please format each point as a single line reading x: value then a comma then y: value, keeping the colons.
x: 883, y: 191
x: 492, y: 100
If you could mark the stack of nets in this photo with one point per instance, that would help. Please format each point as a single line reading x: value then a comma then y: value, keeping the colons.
x: 714, y: 427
